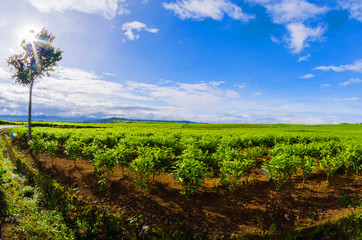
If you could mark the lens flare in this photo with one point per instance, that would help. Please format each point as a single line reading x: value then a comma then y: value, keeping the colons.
x: 13, y: 134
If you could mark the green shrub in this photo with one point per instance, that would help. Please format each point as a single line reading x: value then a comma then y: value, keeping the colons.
x: 36, y: 146
x: 190, y: 172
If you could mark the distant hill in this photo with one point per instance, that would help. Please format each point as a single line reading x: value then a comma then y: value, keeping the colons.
x: 14, y: 118
x: 79, y: 119
x: 114, y: 120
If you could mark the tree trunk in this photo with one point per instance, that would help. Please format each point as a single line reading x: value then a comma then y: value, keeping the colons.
x: 29, y: 112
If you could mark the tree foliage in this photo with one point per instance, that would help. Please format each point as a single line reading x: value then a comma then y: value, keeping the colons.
x: 37, y: 59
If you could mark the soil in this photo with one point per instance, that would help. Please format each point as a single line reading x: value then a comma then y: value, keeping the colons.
x: 258, y: 205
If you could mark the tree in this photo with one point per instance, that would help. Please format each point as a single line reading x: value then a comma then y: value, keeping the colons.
x: 38, y: 59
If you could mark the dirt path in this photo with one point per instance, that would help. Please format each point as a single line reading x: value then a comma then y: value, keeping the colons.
x: 8, y: 126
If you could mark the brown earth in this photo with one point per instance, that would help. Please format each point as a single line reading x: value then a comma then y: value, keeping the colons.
x: 255, y: 206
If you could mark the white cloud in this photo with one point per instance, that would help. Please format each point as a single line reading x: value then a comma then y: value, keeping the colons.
x: 354, y: 7
x: 77, y: 92
x: 201, y: 9
x: 242, y: 85
x: 107, y: 8
x: 109, y: 74
x: 86, y: 93
x: 4, y: 74
x: 346, y: 99
x: 215, y: 84
x: 300, y: 34
x: 197, y: 97
x: 304, y: 58
x: 307, y: 76
x: 74, y: 74
x: 289, y: 11
x: 274, y: 39
x: 351, y: 81
x: 83, y: 93
x: 292, y: 14
x: 130, y: 27
x: 325, y: 85
x: 356, y: 67
x: 80, y: 89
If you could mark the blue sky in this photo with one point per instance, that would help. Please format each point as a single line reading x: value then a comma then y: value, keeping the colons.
x: 229, y: 61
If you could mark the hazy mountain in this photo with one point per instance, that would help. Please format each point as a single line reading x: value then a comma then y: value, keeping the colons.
x: 24, y: 118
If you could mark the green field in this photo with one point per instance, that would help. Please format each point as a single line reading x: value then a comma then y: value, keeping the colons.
x: 228, y: 155
x: 228, y: 151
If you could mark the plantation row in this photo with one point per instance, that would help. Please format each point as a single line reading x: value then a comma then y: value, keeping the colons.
x: 191, y: 158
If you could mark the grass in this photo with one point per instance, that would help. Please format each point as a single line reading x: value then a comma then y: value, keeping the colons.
x: 25, y: 214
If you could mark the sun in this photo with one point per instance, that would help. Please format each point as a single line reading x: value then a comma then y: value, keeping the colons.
x: 28, y: 32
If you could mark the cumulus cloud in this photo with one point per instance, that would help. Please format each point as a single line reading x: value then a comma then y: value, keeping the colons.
x: 73, y: 91
x: 351, y: 81
x: 354, y: 8
x: 293, y: 14
x: 304, y: 58
x: 325, y: 85
x: 106, y: 8
x: 301, y: 34
x: 77, y: 92
x: 201, y: 9
x: 356, y: 67
x: 70, y: 91
x: 130, y: 27
x: 307, y: 76
x: 74, y: 74
x: 288, y: 11
x: 197, y: 97
x: 4, y: 74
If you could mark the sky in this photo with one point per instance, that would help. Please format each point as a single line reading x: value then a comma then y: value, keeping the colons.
x: 217, y: 61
